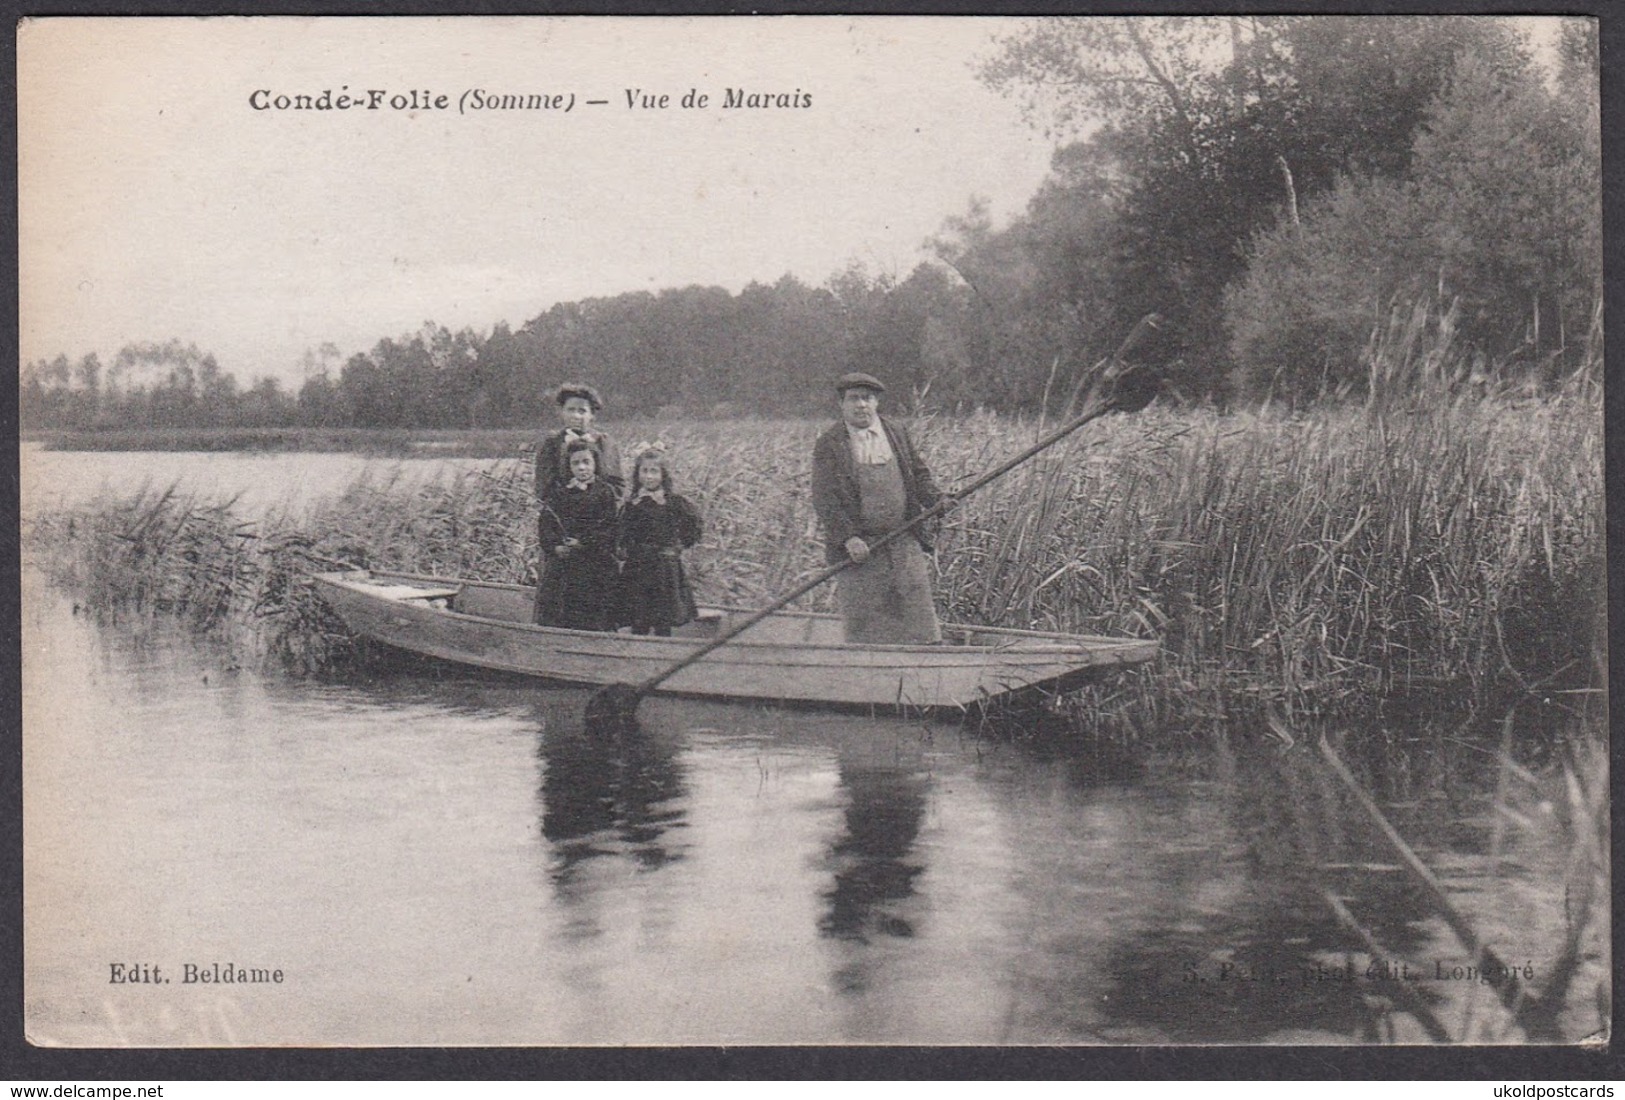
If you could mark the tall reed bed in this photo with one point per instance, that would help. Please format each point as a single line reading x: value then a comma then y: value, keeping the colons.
x: 1308, y: 561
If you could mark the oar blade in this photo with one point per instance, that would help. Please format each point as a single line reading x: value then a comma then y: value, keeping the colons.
x: 1134, y: 389
x: 614, y: 709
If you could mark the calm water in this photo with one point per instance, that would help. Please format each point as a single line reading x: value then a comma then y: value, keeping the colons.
x: 430, y: 857
x: 259, y: 481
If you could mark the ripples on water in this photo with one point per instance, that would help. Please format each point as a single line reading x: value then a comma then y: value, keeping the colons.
x: 438, y: 858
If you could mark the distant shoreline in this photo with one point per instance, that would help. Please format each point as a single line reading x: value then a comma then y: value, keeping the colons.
x: 385, y: 442
x: 395, y: 442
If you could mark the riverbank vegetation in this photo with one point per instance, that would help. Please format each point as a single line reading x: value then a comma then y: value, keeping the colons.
x: 1313, y: 563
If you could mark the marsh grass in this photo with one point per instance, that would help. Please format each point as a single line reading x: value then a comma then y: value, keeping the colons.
x: 1313, y: 563
x: 1318, y: 563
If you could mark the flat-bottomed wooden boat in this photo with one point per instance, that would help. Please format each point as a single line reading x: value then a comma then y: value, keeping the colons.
x: 790, y: 656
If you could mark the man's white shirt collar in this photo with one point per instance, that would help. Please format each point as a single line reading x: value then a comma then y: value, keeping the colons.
x: 870, y: 447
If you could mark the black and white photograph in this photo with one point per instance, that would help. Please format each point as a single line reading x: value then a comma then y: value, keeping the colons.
x: 813, y: 531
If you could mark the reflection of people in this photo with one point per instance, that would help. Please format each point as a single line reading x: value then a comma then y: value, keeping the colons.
x: 576, y: 533
x: 867, y: 480
x: 578, y: 406
x: 656, y: 526
x: 609, y: 797
x: 875, y: 861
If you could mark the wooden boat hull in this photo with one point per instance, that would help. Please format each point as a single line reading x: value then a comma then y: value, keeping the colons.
x: 788, y: 657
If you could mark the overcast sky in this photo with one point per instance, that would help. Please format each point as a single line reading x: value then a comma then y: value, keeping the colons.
x: 157, y: 203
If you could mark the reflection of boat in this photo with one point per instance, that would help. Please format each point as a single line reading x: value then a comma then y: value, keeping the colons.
x: 788, y: 657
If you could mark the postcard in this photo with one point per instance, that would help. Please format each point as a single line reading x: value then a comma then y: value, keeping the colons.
x: 815, y: 530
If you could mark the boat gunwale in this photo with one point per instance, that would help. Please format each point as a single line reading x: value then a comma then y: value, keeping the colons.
x: 1067, y: 643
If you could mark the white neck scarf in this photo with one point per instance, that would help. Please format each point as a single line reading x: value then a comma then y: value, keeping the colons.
x: 870, y: 447
x: 577, y: 483
x: 656, y: 495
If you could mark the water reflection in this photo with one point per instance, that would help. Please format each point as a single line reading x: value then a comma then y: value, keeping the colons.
x: 875, y: 860
x: 726, y: 875
x: 605, y: 795
x: 1275, y: 961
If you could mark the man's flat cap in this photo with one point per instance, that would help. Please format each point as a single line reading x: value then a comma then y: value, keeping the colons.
x: 857, y: 380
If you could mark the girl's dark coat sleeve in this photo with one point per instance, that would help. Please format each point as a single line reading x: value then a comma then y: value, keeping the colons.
x: 689, y: 525
x: 549, y: 529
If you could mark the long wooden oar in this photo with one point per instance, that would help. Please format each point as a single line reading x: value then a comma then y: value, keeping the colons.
x: 1118, y: 390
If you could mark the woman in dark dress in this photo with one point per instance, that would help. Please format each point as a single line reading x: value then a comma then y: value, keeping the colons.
x: 656, y: 527
x: 576, y: 534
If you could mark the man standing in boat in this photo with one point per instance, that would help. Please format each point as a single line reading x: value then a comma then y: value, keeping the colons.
x: 868, y: 480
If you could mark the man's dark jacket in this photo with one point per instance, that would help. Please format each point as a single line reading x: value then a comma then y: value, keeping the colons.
x: 835, y: 487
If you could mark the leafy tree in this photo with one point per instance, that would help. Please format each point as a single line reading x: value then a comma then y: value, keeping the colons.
x: 365, y: 391
x: 1509, y: 190
x: 319, y: 402
x: 1315, y: 290
x: 496, y: 396
x: 999, y: 331
x: 264, y: 405
x: 1498, y: 216
x: 45, y: 398
x: 1215, y: 126
x: 216, y: 393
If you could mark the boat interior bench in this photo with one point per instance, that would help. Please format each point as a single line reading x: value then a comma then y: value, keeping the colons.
x: 416, y: 592
x: 513, y: 603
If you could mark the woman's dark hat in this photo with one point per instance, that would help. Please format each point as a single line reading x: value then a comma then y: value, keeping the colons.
x: 857, y: 380
x: 578, y: 389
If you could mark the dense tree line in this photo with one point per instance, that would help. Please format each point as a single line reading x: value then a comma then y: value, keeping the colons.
x: 171, y: 385
x: 766, y: 349
x: 1277, y: 187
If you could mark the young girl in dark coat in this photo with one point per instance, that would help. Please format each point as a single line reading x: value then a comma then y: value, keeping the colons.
x: 578, y: 406
x: 656, y: 526
x: 577, y: 538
